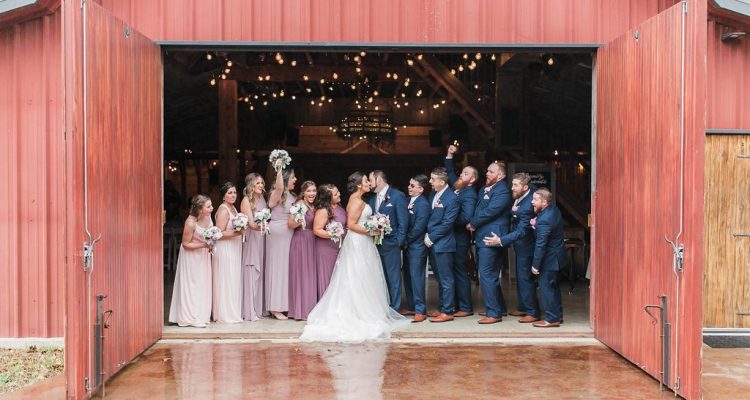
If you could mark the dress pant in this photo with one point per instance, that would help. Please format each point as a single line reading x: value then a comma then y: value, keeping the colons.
x: 447, y: 292
x: 489, y: 279
x: 549, y: 288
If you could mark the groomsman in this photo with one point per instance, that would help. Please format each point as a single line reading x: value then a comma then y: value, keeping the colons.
x: 492, y: 214
x: 463, y: 186
x: 441, y: 241
x: 549, y: 256
x: 391, y: 202
x: 415, y: 253
x: 522, y: 239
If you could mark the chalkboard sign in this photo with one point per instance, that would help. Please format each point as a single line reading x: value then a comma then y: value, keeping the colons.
x: 542, y: 175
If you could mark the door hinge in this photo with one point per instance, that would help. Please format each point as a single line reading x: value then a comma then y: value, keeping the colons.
x: 684, y: 7
x: 86, y: 384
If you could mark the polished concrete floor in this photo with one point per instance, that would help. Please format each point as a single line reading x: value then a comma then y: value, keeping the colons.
x: 225, y: 369
x: 575, y: 305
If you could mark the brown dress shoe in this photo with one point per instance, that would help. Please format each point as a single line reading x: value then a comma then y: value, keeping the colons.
x: 460, y: 314
x: 433, y: 314
x: 528, y: 319
x: 517, y: 313
x: 406, y: 312
x: 545, y: 324
x: 418, y: 318
x: 442, y: 318
x: 484, y: 313
x: 489, y: 320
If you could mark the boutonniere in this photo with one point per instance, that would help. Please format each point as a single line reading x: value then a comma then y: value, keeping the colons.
x: 411, y: 205
x: 456, y: 191
x: 532, y: 222
x: 487, y: 189
x: 515, y: 208
x: 387, y: 198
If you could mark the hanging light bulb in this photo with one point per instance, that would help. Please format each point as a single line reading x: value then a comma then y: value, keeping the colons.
x: 460, y: 67
x: 478, y: 56
x: 227, y: 70
x: 395, y: 76
x: 305, y: 77
x: 493, y: 58
x: 363, y: 54
x: 322, y: 81
x: 213, y: 81
x: 229, y: 63
x: 268, y: 77
x: 335, y: 76
x: 419, y: 57
x: 466, y: 56
x: 223, y: 76
x: 453, y: 71
x: 294, y: 63
x: 209, y: 56
x: 294, y: 97
x: 375, y: 93
x: 410, y: 62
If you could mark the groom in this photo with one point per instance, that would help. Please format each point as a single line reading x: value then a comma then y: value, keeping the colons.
x: 393, y: 203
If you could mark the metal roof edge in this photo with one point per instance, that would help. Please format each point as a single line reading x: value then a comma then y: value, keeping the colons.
x: 733, y: 6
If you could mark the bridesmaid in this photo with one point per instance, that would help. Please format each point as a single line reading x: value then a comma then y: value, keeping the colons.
x: 303, y: 292
x: 227, y: 263
x: 253, y: 250
x: 277, y: 244
x: 327, y: 208
x: 191, y: 297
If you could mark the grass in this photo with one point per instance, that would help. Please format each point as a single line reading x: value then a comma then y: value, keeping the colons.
x: 23, y: 367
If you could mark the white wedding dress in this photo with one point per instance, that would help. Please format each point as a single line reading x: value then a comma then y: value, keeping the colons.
x: 355, y: 306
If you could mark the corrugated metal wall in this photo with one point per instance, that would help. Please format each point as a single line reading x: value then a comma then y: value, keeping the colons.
x: 413, y: 21
x: 636, y: 202
x: 728, y: 103
x: 31, y: 180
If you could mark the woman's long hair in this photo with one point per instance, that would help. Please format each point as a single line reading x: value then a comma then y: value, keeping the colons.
x: 197, y: 203
x: 303, y: 189
x: 250, y: 181
x: 325, y: 196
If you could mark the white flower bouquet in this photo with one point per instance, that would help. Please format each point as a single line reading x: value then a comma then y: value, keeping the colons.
x: 336, y: 230
x: 298, y: 212
x: 261, y: 219
x: 279, y: 159
x: 379, y: 223
x: 211, y: 236
x: 240, y: 222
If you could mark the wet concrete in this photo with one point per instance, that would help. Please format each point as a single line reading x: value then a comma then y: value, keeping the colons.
x: 222, y: 370
x: 726, y: 373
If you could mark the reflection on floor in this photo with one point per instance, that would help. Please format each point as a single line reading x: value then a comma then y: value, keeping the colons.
x: 575, y: 306
x: 726, y: 373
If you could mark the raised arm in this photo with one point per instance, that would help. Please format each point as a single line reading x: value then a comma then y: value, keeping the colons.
x: 278, y: 190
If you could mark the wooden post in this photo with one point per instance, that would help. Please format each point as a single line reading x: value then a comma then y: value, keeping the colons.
x: 228, y: 160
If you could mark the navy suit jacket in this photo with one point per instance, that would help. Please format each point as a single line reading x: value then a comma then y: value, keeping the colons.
x: 394, y: 206
x: 492, y: 213
x: 418, y: 216
x: 440, y: 224
x: 522, y: 236
x: 549, y: 249
x: 467, y: 199
x: 451, y: 168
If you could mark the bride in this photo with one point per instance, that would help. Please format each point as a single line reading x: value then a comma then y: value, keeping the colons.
x: 355, y: 306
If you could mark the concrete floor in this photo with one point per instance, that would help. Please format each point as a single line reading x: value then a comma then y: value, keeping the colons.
x: 226, y: 369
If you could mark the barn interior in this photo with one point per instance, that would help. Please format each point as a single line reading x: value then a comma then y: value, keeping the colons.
x: 340, y: 110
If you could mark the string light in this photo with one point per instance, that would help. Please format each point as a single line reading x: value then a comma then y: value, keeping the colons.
x: 305, y: 77
x: 410, y: 62
x: 294, y: 63
x: 335, y: 76
x: 209, y: 56
x: 419, y: 57
x: 493, y: 58
x: 478, y: 56
x: 213, y: 81
x: 223, y: 76
x: 229, y: 63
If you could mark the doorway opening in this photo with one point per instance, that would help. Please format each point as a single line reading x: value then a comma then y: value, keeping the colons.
x: 530, y: 108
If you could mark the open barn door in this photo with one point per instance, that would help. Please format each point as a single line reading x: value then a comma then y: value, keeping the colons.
x: 113, y: 83
x: 649, y: 146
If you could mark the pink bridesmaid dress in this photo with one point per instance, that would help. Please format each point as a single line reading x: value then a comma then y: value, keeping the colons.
x: 227, y: 263
x: 191, y: 295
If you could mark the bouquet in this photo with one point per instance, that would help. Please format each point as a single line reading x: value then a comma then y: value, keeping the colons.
x: 336, y: 230
x: 261, y: 219
x: 380, y: 223
x: 298, y: 212
x: 241, y: 221
x: 211, y: 235
x: 279, y: 159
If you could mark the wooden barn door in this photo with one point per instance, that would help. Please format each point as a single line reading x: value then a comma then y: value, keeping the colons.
x: 649, y: 149
x: 118, y: 187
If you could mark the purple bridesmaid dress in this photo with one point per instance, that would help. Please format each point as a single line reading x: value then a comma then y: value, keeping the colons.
x: 277, y: 257
x: 326, y: 252
x: 303, y: 290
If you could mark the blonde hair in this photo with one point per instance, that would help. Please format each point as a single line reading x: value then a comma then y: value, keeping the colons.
x: 250, y: 181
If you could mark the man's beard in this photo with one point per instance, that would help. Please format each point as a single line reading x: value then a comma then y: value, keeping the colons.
x: 460, y: 184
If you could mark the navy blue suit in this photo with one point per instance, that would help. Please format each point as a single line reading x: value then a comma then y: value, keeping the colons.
x: 394, y: 206
x: 549, y: 258
x: 440, y: 232
x: 415, y: 257
x: 492, y: 214
x: 467, y: 198
x: 522, y: 240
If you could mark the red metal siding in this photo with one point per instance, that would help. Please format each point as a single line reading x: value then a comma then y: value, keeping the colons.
x: 728, y: 106
x: 124, y: 103
x: 636, y: 201
x: 31, y: 173
x: 381, y: 21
